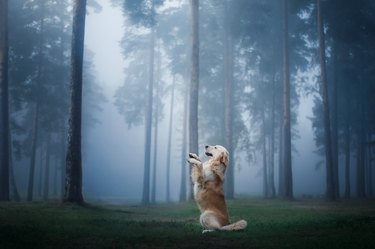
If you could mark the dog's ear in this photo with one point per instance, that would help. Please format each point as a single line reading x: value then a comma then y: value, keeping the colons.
x: 224, y: 158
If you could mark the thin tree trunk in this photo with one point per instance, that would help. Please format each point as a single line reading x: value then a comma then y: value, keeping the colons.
x: 330, y: 188
x: 34, y: 142
x: 184, y: 148
x: 46, y: 170
x: 347, y: 158
x: 361, y: 155
x: 228, y: 106
x: 170, y: 141
x: 40, y: 163
x: 30, y: 189
x: 272, y: 146
x: 153, y: 194
x: 370, y: 172
x: 73, y: 178
x: 360, y: 170
x: 148, y: 125
x: 194, y: 84
x: 335, y: 154
x: 62, y: 158
x: 14, y: 189
x: 153, y: 188
x: 264, y: 152
x: 281, y: 190
x: 4, y: 109
x: 55, y: 177
x: 368, y: 168
x: 287, y: 147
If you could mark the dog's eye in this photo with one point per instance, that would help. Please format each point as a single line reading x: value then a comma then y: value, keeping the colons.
x: 215, y: 147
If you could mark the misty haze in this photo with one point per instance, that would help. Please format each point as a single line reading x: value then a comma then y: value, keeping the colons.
x: 286, y: 86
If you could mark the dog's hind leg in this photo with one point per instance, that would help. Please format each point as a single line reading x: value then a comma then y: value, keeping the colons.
x: 209, y: 221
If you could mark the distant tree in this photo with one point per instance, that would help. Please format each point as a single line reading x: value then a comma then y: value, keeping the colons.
x: 228, y: 102
x: 156, y: 126
x: 73, y: 180
x: 194, y: 81
x: 47, y: 168
x: 330, y: 190
x: 169, y: 145
x: 287, y: 191
x: 37, y: 103
x: 184, y: 141
x: 4, y: 105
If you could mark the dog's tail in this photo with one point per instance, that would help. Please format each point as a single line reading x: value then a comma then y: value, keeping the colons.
x: 239, y: 225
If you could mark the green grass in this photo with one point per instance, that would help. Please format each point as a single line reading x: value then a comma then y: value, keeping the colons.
x: 271, y: 224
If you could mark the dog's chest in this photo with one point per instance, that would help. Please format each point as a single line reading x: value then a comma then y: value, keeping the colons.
x: 208, y: 175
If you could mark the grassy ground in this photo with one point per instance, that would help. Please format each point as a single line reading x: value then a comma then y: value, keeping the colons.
x: 271, y: 224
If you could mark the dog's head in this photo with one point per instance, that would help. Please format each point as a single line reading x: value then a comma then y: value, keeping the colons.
x: 217, y: 152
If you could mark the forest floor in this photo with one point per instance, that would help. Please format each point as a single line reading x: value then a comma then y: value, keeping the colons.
x: 310, y: 223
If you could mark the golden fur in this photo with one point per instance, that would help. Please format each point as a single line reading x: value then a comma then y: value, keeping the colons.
x: 208, y: 179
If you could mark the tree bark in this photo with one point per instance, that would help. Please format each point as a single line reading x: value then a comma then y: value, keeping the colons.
x: 272, y: 146
x: 184, y: 149
x: 30, y: 188
x: 228, y: 105
x: 4, y: 105
x: 148, y: 125
x: 361, y: 155
x: 347, y: 138
x: 73, y: 178
x: 335, y: 153
x: 170, y: 141
x: 62, y: 158
x: 13, y: 185
x: 194, y: 83
x: 46, y: 169
x: 286, y: 149
x: 265, y: 170
x: 347, y: 158
x: 153, y: 188
x: 330, y: 188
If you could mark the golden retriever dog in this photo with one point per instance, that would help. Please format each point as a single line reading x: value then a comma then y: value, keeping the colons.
x: 208, y: 179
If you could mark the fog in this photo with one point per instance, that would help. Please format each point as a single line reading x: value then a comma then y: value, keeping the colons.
x: 114, y: 99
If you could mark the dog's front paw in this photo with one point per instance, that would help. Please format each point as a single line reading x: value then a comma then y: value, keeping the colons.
x: 194, y: 156
x: 193, y: 161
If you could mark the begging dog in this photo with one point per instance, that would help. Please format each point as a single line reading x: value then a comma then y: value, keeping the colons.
x: 208, y: 179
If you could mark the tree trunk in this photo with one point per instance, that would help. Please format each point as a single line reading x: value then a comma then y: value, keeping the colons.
x: 335, y: 153
x: 170, y: 141
x: 286, y: 149
x: 184, y: 165
x: 148, y: 125
x: 40, y: 163
x: 330, y: 188
x: 368, y: 168
x: 265, y: 170
x: 4, y: 105
x: 361, y: 155
x: 371, y: 179
x: 46, y: 170
x: 14, y: 189
x: 281, y: 190
x: 194, y: 83
x: 347, y: 157
x: 55, y: 177
x: 30, y: 189
x: 73, y: 178
x: 153, y: 188
x: 228, y: 105
x: 272, y: 146
x: 62, y: 158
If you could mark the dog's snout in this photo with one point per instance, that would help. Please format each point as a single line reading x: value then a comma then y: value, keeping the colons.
x: 206, y: 146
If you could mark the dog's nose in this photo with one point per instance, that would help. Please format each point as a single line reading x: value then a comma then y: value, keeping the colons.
x: 206, y: 146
